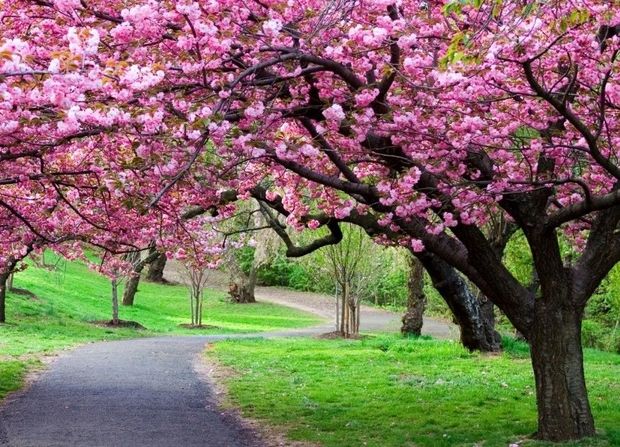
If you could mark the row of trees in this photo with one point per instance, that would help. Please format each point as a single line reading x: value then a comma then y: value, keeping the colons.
x: 419, y: 122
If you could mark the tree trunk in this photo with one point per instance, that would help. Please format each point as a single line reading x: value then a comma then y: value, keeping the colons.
x: 343, y: 310
x: 557, y: 359
x: 197, y: 308
x: 242, y: 289
x: 191, y: 306
x: 201, y: 297
x: 131, y: 288
x: 156, y: 269
x: 353, y: 312
x: 115, y: 320
x: 9, y: 282
x: 416, y: 301
x: 462, y: 302
x: 3, y: 288
x: 487, y: 313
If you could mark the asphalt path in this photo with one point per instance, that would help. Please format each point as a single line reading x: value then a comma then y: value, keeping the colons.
x: 130, y: 393
x: 148, y: 392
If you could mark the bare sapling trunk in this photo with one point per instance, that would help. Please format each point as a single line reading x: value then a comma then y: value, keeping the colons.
x: 349, y: 307
x: 115, y: 320
x: 416, y: 300
x: 197, y: 300
x: 197, y: 280
x: 337, y: 300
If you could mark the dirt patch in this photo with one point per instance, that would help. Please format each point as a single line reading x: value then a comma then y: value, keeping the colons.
x: 25, y: 292
x: 120, y: 324
x: 201, y: 326
x: 216, y: 374
x: 335, y: 335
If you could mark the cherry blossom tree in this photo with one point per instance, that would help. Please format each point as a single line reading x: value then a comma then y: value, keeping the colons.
x: 416, y: 120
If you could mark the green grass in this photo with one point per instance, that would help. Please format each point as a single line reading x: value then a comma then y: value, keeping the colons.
x: 389, y: 391
x: 70, y: 297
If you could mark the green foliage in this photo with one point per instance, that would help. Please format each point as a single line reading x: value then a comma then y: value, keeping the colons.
x: 518, y: 258
x: 595, y: 335
x: 244, y: 257
x: 387, y: 286
x: 391, y: 391
x: 390, y: 288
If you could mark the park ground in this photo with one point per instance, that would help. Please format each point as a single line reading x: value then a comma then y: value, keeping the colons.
x: 381, y: 390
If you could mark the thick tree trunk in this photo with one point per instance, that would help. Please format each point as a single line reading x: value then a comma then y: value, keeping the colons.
x: 131, y: 288
x: 464, y: 305
x: 487, y: 313
x: 9, y: 282
x: 3, y: 288
x: 557, y: 359
x: 416, y: 300
x: 242, y: 289
x: 156, y: 269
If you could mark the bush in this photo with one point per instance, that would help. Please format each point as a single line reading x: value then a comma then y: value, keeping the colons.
x: 595, y: 335
x: 390, y: 288
x: 277, y: 273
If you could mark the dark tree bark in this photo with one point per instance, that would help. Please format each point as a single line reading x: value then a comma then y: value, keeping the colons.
x: 416, y: 300
x: 3, y: 288
x: 6, y: 283
x: 557, y: 359
x: 487, y: 313
x: 464, y: 305
x: 156, y: 269
x: 131, y: 288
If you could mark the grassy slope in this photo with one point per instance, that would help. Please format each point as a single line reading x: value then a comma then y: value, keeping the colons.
x: 66, y: 299
x: 389, y: 391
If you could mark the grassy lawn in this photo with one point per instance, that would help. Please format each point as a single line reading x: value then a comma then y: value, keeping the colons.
x: 389, y: 391
x: 67, y: 299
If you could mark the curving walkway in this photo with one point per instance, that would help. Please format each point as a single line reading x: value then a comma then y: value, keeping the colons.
x: 372, y: 319
x: 131, y: 393
x: 147, y: 393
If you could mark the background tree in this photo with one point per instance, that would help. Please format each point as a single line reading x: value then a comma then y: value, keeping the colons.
x: 156, y: 267
x: 138, y: 263
x: 349, y: 268
x: 413, y: 320
x: 197, y: 277
x: 264, y: 242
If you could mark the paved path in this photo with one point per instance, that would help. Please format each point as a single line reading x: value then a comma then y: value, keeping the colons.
x: 372, y: 319
x: 131, y: 393
x: 146, y: 392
